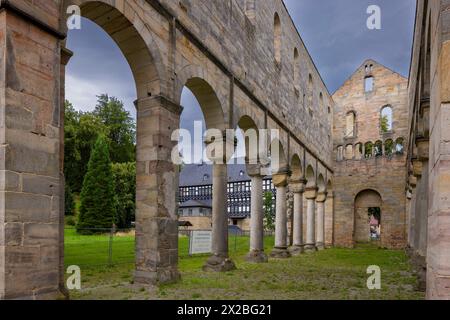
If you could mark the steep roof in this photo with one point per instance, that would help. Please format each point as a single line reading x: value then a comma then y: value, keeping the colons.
x: 201, y: 175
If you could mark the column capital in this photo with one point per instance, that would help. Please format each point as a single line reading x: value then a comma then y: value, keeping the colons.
x: 417, y: 168
x: 412, y: 181
x: 311, y: 193
x: 297, y: 186
x: 254, y: 170
x: 321, y: 196
x: 66, y: 55
x: 280, y: 179
x: 158, y: 101
x: 423, y: 148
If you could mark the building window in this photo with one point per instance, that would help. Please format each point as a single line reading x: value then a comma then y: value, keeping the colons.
x: 368, y: 150
x: 296, y: 72
x: 310, y: 91
x: 386, y: 119
x: 368, y: 84
x: 277, y: 38
x: 389, y: 147
x: 250, y: 10
x: 350, y: 125
x: 399, y: 146
x: 190, y: 213
x: 241, y: 173
x: 378, y: 149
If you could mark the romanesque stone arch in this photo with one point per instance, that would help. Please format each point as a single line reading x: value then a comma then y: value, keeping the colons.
x: 127, y: 28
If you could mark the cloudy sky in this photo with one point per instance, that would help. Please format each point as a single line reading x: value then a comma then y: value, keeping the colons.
x: 334, y: 32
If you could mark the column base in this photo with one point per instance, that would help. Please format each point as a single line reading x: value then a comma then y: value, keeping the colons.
x: 310, y: 248
x: 218, y: 263
x: 320, y: 246
x: 280, y: 253
x: 296, y: 250
x: 152, y: 278
x: 43, y: 295
x: 257, y: 257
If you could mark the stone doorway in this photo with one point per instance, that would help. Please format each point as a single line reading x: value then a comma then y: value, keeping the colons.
x: 368, y: 210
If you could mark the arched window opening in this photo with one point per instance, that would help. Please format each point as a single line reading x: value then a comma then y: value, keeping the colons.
x: 386, y: 119
x: 368, y: 84
x: 340, y: 153
x: 378, y: 149
x: 296, y: 72
x: 349, y: 152
x: 310, y: 91
x: 277, y: 38
x: 368, y: 150
x: 389, y: 147
x: 358, y: 151
x: 399, y: 146
x: 350, y: 125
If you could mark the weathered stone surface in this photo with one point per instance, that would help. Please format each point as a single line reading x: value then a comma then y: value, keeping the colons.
x: 385, y: 174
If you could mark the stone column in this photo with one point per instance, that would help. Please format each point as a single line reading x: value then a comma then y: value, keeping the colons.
x: 219, y: 260
x: 281, y: 249
x: 30, y: 157
x: 412, y: 214
x: 310, y: 195
x: 256, y: 253
x: 329, y: 220
x: 320, y: 237
x: 298, y: 246
x: 156, y: 186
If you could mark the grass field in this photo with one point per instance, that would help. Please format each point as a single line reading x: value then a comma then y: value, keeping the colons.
x: 330, y: 274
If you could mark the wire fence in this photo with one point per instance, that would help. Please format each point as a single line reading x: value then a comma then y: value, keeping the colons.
x: 97, y: 247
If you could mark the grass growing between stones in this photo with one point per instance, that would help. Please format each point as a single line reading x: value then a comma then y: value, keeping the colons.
x: 331, y: 274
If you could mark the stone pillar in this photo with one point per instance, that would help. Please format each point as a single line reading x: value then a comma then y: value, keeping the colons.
x: 256, y: 253
x: 298, y: 246
x: 320, y: 236
x: 30, y: 164
x: 310, y: 195
x: 219, y: 260
x: 281, y: 248
x: 156, y: 185
x: 329, y: 220
x: 412, y: 213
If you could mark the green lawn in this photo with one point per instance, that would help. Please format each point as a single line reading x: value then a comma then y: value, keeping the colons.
x: 330, y: 274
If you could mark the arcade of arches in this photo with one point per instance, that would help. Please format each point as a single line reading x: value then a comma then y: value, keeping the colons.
x: 272, y: 84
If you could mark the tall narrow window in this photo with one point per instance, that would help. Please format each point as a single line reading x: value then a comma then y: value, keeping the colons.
x: 389, y: 147
x: 368, y: 84
x: 296, y: 72
x: 310, y: 91
x: 368, y: 150
x: 378, y: 149
x: 399, y: 146
x: 250, y: 10
x: 350, y: 125
x: 386, y: 119
x: 277, y: 38
x: 321, y: 101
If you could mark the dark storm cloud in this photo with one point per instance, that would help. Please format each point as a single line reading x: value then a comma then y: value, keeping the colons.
x: 334, y: 32
x: 336, y: 35
x: 98, y: 66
